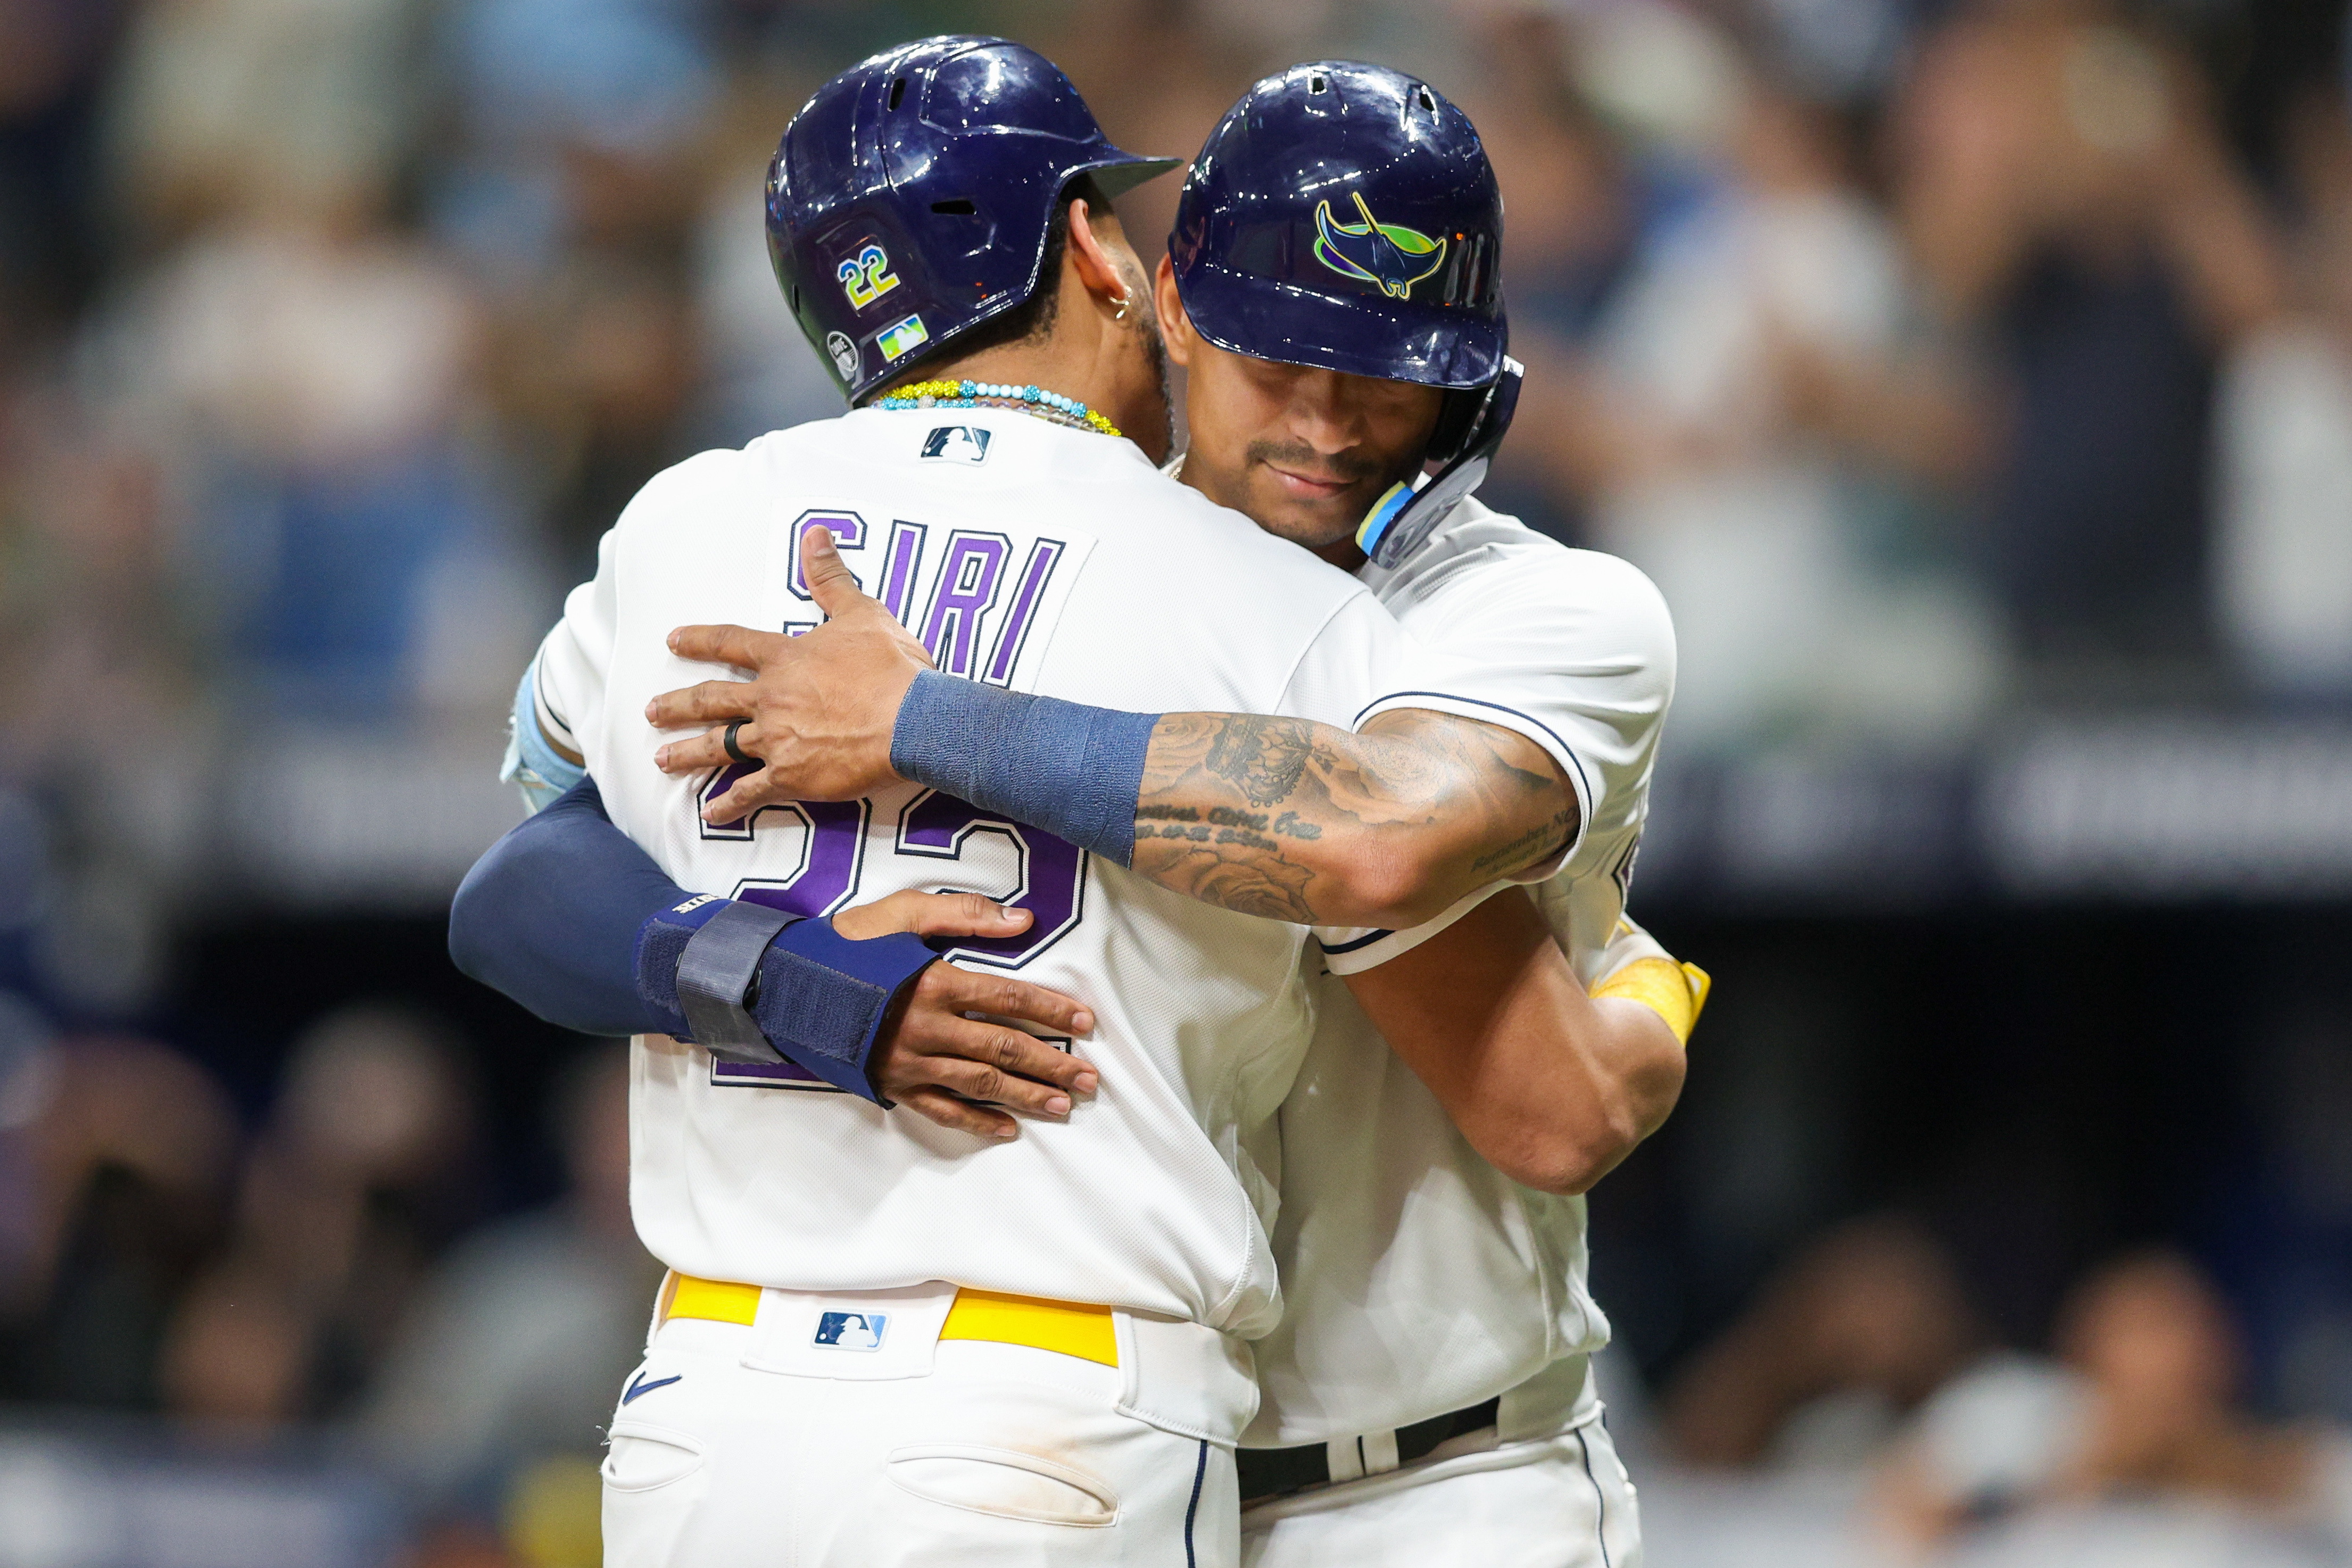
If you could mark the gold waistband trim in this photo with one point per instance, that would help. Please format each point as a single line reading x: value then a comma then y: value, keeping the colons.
x: 1069, y: 1328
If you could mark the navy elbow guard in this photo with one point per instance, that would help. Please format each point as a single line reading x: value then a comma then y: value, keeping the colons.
x: 755, y: 985
x: 1071, y: 769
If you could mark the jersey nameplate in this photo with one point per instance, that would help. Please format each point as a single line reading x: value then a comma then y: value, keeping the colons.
x: 982, y: 601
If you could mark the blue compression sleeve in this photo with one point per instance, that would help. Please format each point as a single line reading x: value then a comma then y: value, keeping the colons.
x: 549, y: 916
x: 1071, y: 769
x: 568, y: 917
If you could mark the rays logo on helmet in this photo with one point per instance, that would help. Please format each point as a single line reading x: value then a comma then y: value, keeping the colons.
x: 866, y: 276
x: 843, y: 353
x: 1390, y: 255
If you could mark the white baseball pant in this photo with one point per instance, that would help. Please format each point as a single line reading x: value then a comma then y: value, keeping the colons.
x: 1558, y: 1499
x: 838, y: 1431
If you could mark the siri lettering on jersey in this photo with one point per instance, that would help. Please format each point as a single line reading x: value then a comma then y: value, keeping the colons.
x: 1064, y: 564
x: 972, y: 599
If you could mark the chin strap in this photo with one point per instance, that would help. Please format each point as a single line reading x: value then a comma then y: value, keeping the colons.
x: 1404, y: 517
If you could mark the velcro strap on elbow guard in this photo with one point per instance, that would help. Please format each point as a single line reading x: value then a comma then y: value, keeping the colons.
x: 661, y: 943
x: 1676, y: 992
x: 823, y: 999
x: 1071, y: 769
x: 715, y: 974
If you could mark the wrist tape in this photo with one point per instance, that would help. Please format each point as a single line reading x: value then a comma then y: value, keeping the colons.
x: 1676, y: 992
x: 1071, y: 769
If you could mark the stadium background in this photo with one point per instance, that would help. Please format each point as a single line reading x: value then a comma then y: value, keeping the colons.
x: 1974, y: 375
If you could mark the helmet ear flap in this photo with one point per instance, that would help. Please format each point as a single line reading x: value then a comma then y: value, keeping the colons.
x: 1457, y: 422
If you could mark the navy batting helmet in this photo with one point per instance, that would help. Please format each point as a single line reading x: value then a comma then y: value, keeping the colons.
x: 913, y: 195
x: 1344, y: 216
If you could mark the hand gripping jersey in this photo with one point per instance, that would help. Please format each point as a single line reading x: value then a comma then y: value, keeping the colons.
x: 1419, y: 1279
x: 1047, y: 559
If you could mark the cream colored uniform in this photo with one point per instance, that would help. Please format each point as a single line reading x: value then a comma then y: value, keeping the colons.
x: 1418, y: 1279
x: 1043, y: 558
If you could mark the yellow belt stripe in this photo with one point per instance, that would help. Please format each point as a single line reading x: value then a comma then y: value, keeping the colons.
x: 1065, y: 1326
x: 1676, y: 992
x: 713, y: 1299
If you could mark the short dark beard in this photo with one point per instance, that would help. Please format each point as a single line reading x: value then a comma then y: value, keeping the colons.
x: 1155, y: 347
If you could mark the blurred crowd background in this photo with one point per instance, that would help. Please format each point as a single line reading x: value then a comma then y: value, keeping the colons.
x: 1975, y: 377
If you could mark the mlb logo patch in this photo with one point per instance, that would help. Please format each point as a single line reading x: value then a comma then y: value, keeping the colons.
x: 957, y: 443
x: 851, y: 1331
x: 903, y: 338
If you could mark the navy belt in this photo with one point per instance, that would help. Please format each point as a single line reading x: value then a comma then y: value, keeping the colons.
x: 1275, y: 1472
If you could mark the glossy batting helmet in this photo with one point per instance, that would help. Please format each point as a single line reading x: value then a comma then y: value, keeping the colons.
x: 912, y: 197
x: 1344, y: 216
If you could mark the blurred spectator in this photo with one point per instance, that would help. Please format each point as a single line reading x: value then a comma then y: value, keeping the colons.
x: 361, y: 1177
x: 1577, y: 208
x: 305, y: 375
x: 307, y: 385
x: 514, y: 1352
x: 1765, y: 431
x: 598, y: 373
x: 1851, y: 1337
x: 53, y: 54
x: 2071, y: 205
x: 224, y: 105
x: 116, y: 1152
x: 574, y: 118
x: 2143, y: 1404
x: 759, y: 373
x: 88, y: 620
x: 2285, y: 568
x: 569, y: 194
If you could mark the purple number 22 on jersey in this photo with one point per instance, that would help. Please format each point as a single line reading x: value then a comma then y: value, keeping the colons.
x: 1050, y: 882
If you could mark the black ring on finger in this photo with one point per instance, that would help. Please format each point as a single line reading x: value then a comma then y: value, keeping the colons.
x: 727, y: 740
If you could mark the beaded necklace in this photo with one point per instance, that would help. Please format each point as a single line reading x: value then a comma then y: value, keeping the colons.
x: 1046, y: 405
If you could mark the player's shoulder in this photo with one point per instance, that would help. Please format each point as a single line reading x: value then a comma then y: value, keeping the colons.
x: 1495, y: 561
x: 735, y: 486
x: 700, y: 490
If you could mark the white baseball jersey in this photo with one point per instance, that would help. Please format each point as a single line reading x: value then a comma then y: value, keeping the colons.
x: 1042, y: 558
x: 1418, y: 1277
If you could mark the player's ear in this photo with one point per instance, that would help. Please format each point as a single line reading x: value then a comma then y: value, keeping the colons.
x: 1094, y: 233
x: 1175, y: 326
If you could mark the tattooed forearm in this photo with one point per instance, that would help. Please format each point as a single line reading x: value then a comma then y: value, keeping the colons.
x: 1303, y: 823
x: 1262, y: 757
x: 1529, y: 846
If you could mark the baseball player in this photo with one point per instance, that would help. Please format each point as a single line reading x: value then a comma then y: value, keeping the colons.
x: 1480, y: 1303
x: 1427, y: 1397
x: 841, y: 1312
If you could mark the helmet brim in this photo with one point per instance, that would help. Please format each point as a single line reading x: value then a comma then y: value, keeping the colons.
x: 1386, y: 340
x: 1118, y: 175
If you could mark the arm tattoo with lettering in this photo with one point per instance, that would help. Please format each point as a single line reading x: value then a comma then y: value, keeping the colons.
x: 1282, y: 818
